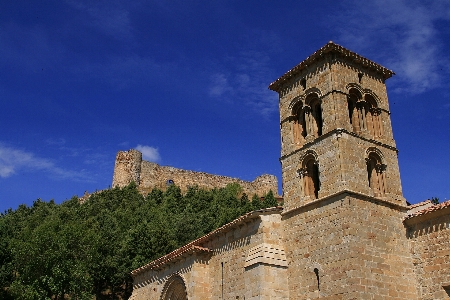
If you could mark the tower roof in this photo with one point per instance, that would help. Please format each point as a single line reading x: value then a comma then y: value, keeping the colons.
x: 330, y: 47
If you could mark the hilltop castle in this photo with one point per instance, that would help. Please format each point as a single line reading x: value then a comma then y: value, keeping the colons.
x: 346, y: 231
x: 129, y: 167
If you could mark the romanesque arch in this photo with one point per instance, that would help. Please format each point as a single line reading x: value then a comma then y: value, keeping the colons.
x: 373, y: 116
x: 309, y: 175
x: 313, y: 115
x: 354, y: 96
x: 363, y: 111
x: 376, y: 172
x: 299, y: 125
x: 174, y: 289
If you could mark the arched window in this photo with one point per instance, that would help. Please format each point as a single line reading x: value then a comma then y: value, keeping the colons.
x: 309, y: 174
x: 353, y: 98
x: 299, y: 124
x: 313, y: 116
x: 376, y: 174
x: 306, y: 118
x: 373, y: 117
x: 174, y: 289
x: 364, y: 114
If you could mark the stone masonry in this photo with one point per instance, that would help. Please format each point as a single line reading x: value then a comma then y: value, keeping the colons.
x: 214, y: 266
x: 129, y: 167
x: 346, y: 231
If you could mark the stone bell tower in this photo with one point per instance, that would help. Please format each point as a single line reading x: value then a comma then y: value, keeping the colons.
x: 343, y: 198
x: 336, y: 132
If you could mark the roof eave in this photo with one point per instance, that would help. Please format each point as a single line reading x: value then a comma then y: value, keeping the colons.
x: 329, y: 47
x: 194, y: 246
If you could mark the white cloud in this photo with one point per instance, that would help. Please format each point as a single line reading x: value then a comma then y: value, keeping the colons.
x: 402, y: 35
x: 246, y: 82
x: 109, y: 17
x: 149, y: 153
x: 14, y: 160
x: 219, y: 85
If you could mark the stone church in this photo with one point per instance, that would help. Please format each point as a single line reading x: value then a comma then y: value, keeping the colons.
x: 345, y: 231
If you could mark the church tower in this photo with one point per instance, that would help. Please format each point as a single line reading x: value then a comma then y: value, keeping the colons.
x: 343, y: 201
x: 336, y: 132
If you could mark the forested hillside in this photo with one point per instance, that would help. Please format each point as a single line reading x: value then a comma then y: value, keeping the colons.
x: 82, y: 251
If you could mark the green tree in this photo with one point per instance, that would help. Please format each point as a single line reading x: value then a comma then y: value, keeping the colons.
x: 269, y: 200
x: 256, y: 202
x: 78, y: 251
x: 435, y: 200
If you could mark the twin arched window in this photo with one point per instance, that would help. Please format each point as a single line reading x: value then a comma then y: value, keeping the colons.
x: 307, y: 119
x: 364, y: 114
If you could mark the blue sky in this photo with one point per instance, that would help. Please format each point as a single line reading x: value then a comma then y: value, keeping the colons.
x: 186, y: 83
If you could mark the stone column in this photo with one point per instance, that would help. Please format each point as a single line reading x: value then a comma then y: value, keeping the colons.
x: 382, y: 177
x: 308, y: 122
x: 379, y: 121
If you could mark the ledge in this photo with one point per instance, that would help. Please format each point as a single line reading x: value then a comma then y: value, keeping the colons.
x: 267, y: 254
x: 348, y: 192
x: 337, y: 131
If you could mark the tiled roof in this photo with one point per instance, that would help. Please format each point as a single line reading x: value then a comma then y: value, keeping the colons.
x: 329, y: 47
x: 194, y: 246
x: 428, y: 210
x: 419, y: 204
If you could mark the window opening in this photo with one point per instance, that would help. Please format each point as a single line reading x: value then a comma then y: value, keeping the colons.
x: 373, y: 116
x: 364, y: 114
x: 353, y: 110
x: 447, y: 290
x: 299, y: 124
x: 360, y: 76
x: 316, y: 271
x: 309, y: 174
x: 303, y: 83
x: 376, y: 174
x: 313, y: 116
x: 222, y: 279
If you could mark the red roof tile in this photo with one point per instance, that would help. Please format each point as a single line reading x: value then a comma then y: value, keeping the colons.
x: 430, y: 209
x: 419, y: 204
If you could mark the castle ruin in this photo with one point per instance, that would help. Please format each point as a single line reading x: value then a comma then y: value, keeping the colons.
x: 129, y: 167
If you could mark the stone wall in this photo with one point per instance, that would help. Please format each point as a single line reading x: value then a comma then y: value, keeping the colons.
x: 244, y: 260
x: 129, y: 167
x: 429, y: 235
x: 357, y: 245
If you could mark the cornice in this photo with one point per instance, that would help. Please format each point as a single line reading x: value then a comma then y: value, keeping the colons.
x: 360, y: 196
x: 319, y: 55
x: 337, y: 131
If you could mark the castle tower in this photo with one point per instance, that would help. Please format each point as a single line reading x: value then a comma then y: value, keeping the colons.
x: 127, y: 168
x: 336, y: 132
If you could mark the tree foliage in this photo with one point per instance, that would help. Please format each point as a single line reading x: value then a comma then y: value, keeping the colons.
x: 435, y: 200
x: 78, y: 251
